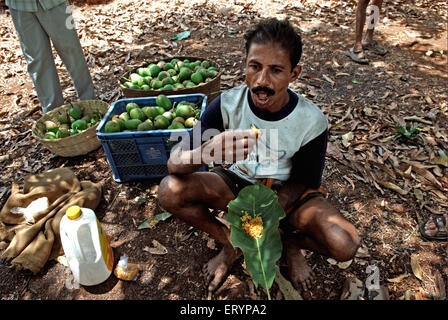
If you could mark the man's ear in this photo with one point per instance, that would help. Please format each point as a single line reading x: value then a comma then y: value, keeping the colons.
x: 296, y: 71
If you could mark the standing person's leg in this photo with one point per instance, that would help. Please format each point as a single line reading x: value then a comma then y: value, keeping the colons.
x: 356, y: 52
x: 368, y: 43
x: 360, y: 22
x: 368, y: 37
x: 36, y: 49
x: 58, y: 23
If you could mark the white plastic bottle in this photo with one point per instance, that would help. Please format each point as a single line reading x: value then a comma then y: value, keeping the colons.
x: 86, y: 246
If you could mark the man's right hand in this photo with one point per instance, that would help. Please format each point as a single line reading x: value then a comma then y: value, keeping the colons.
x: 229, y: 146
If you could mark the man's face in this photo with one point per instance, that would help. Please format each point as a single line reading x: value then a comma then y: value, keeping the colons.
x: 268, y: 74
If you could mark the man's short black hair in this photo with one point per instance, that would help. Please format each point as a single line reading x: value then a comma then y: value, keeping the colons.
x: 279, y: 32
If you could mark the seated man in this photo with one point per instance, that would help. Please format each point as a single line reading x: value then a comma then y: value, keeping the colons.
x: 293, y: 129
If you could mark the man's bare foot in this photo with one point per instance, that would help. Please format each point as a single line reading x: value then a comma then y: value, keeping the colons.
x: 216, y: 269
x: 300, y: 273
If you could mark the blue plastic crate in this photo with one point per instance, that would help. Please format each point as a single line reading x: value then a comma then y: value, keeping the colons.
x: 141, y: 155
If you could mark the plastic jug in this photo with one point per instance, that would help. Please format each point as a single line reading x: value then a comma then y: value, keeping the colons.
x: 86, y: 247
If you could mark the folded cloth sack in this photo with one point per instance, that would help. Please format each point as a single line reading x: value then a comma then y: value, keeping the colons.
x: 32, y: 242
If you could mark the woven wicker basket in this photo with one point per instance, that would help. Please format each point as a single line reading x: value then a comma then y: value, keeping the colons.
x: 211, y: 89
x: 75, y: 145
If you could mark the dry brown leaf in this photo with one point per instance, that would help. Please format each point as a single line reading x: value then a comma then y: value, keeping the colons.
x: 289, y: 293
x: 350, y: 181
x: 432, y: 210
x: 442, y: 160
x: 382, y: 167
x: 427, y: 175
x: 416, y: 268
x: 334, y: 152
x: 392, y: 186
x: 362, y: 252
x: 373, y: 179
x: 158, y: 248
x: 328, y: 79
x: 399, y: 278
x: 406, y: 296
x: 428, y: 100
x: 421, y: 294
x: 440, y: 195
x: 344, y: 264
x: 411, y: 95
x: 346, y: 138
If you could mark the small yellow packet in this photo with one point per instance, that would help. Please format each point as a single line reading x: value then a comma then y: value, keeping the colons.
x: 126, y: 270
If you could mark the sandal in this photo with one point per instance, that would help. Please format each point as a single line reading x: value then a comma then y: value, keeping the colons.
x: 353, y: 289
x: 357, y: 56
x: 375, y: 48
x: 440, y: 222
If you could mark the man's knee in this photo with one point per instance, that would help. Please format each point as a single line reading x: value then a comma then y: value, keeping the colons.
x: 344, y: 243
x: 170, y: 192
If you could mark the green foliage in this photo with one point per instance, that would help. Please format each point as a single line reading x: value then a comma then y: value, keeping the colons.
x: 181, y: 36
x: 151, y: 223
x: 408, y: 133
x: 261, y: 251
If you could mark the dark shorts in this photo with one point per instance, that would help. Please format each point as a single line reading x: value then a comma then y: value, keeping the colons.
x: 233, y: 181
x: 236, y: 184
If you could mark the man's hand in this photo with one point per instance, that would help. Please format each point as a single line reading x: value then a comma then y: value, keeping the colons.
x: 229, y: 146
x: 3, y: 7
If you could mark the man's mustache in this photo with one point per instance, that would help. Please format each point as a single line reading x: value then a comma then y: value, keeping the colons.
x: 269, y: 91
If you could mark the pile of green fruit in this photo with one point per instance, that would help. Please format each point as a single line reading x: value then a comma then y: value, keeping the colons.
x: 176, y: 74
x: 69, y: 123
x: 163, y: 115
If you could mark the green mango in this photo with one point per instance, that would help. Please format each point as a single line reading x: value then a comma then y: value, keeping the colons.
x: 132, y: 124
x: 196, y: 77
x: 154, y: 70
x: 160, y: 122
x: 137, y: 113
x: 163, y: 101
x: 76, y: 112
x: 130, y: 106
x: 62, y: 133
x: 145, y: 126
x: 80, y: 124
x: 112, y: 126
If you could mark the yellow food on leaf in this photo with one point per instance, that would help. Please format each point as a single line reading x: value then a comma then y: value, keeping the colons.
x: 253, y: 226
